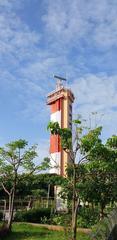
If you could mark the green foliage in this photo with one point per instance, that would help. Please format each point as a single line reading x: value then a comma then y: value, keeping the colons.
x: 87, y: 217
x: 90, y: 140
x: 15, y: 155
x: 33, y: 215
x: 100, y: 181
x: 65, y: 134
x: 36, y: 184
x: 14, y: 158
x: 28, y: 157
x: 45, y: 164
x: 62, y: 219
x: 66, y: 138
x: 54, y: 127
x: 77, y: 121
x: 39, y: 193
x: 19, y: 216
x: 21, y: 143
x: 93, y: 177
x: 112, y: 142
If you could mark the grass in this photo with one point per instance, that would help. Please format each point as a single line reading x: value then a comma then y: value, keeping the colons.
x: 28, y: 232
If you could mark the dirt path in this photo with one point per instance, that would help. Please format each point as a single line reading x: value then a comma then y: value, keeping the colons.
x: 60, y: 228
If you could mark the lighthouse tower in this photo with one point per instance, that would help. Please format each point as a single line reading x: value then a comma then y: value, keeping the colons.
x: 60, y: 101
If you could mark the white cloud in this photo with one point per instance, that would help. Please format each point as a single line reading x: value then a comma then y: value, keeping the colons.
x: 94, y: 21
x: 16, y: 38
x: 9, y: 4
x: 97, y: 93
x: 18, y: 48
x: 64, y: 21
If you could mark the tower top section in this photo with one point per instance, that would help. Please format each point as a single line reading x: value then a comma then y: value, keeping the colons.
x: 59, y: 92
x: 59, y: 83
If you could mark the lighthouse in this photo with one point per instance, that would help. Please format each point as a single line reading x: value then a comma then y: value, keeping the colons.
x: 60, y: 101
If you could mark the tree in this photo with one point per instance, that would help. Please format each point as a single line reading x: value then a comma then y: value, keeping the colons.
x: 15, y: 158
x: 99, y: 185
x: 82, y: 145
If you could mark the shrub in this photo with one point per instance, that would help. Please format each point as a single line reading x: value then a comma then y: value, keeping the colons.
x: 40, y: 215
x: 87, y: 217
x: 63, y: 219
x: 19, y: 216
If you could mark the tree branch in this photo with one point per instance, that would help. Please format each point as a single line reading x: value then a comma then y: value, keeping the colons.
x: 5, y: 189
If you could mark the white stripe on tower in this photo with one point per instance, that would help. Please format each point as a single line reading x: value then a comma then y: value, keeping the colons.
x: 56, y: 117
x: 55, y: 150
x: 55, y: 162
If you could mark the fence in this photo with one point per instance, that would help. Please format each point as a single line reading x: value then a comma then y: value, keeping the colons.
x: 25, y: 204
x: 28, y: 203
x: 107, y: 228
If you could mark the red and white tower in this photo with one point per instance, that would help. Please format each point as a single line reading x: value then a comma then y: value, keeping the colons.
x: 60, y: 101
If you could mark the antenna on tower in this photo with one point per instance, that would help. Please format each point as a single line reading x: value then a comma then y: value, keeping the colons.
x: 59, y: 84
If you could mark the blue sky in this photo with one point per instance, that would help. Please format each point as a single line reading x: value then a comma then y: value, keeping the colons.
x: 38, y: 38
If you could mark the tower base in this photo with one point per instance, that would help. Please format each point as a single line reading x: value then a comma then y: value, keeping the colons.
x: 60, y: 204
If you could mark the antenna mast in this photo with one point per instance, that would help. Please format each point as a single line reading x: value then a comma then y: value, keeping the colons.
x: 59, y: 84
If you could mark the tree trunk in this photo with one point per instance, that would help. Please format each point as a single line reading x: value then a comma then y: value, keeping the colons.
x: 11, y: 210
x: 74, y: 220
x: 6, y: 227
x: 102, y: 211
x: 92, y: 205
x: 74, y: 206
x: 11, y: 203
x: 48, y: 195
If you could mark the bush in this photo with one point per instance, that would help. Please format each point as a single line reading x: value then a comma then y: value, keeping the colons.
x: 87, y: 217
x: 63, y: 219
x: 40, y: 215
x: 19, y: 216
